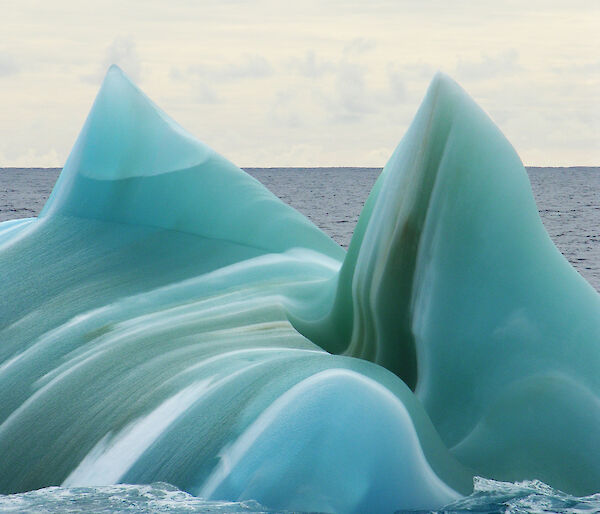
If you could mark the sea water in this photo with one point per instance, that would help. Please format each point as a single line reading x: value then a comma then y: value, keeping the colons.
x: 569, y: 203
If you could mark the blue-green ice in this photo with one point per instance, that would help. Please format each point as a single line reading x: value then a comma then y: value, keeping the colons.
x: 167, y: 319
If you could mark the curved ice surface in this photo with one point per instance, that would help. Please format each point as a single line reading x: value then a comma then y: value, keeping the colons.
x: 133, y: 164
x: 452, y: 282
x: 168, y: 319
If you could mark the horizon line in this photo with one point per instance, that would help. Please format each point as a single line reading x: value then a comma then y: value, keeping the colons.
x: 570, y: 166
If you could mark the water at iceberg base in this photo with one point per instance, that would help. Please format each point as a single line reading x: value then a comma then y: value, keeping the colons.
x: 168, y: 320
x: 488, y: 497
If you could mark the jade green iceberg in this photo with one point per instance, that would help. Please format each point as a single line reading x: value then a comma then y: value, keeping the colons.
x: 166, y: 318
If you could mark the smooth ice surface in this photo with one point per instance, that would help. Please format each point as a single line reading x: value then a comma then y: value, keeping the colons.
x: 168, y: 319
x: 133, y: 164
x: 499, y: 335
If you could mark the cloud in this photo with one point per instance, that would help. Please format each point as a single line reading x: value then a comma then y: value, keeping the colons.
x: 201, y: 90
x: 205, y: 94
x: 284, y: 110
x: 359, y: 45
x: 351, y: 91
x: 488, y: 66
x: 229, y: 62
x: 202, y: 79
x: 379, y: 156
x: 419, y: 71
x: 295, y: 153
x: 122, y: 52
x: 311, y: 66
x: 8, y: 66
x: 397, y: 84
x: 584, y: 67
x: 250, y: 66
x: 32, y: 158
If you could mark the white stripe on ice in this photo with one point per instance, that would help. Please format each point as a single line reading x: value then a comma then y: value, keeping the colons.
x: 112, y: 457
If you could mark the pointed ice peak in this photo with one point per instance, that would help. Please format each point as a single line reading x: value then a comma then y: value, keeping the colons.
x: 114, y: 68
x: 444, y: 98
x: 123, y: 121
x: 133, y: 164
x: 444, y: 85
x: 116, y: 79
x: 451, y: 140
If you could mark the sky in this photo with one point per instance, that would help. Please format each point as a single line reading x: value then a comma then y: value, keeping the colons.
x: 303, y: 83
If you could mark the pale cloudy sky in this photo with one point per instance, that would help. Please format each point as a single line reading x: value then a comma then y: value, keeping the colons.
x: 303, y: 83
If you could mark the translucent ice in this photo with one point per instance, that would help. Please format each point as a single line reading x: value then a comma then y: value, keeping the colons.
x: 166, y: 318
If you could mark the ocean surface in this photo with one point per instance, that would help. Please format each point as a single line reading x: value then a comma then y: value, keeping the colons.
x: 569, y: 203
x: 490, y: 497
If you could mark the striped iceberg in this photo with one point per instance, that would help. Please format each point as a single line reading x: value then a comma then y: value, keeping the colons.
x: 167, y: 319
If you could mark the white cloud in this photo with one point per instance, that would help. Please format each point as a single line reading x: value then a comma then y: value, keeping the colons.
x: 359, y: 45
x: 352, y: 99
x: 397, y: 83
x: 201, y: 91
x: 32, y: 158
x: 286, y: 109
x: 8, y: 66
x: 254, y: 78
x: 249, y: 66
x: 311, y: 66
x: 122, y: 51
x: 489, y: 66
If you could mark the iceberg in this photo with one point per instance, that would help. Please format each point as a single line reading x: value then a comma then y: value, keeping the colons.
x: 168, y: 319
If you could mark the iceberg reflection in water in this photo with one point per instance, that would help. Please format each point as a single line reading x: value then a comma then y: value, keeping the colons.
x: 167, y: 319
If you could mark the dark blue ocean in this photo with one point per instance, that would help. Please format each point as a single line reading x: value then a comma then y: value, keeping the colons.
x: 568, y: 200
